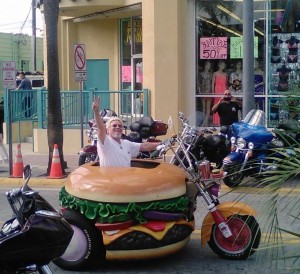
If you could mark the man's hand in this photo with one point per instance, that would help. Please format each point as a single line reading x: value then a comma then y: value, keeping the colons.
x: 222, y: 100
x: 96, y: 104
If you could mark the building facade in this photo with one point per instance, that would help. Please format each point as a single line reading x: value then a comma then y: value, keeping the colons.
x: 17, y: 47
x: 174, y: 47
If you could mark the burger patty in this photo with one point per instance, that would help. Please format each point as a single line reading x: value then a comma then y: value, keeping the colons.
x: 140, y: 240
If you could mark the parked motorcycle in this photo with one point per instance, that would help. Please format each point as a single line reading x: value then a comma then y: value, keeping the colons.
x: 147, y: 210
x: 36, y: 234
x: 209, y: 146
x: 143, y: 130
x: 251, y: 149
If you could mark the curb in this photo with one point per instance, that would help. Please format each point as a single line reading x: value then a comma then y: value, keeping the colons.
x: 43, y: 182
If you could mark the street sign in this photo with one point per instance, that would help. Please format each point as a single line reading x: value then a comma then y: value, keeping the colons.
x: 80, y: 63
x: 9, y: 74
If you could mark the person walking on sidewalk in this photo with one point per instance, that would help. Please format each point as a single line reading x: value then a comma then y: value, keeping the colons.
x: 26, y: 101
x: 112, y: 149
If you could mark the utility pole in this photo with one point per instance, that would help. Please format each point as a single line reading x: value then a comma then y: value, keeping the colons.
x: 248, y: 57
x: 33, y: 38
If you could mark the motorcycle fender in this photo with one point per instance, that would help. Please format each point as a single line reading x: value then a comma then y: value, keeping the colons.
x: 226, y: 209
x: 234, y: 157
x: 88, y: 150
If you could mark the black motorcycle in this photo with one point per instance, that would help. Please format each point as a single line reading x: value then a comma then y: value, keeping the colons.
x: 209, y: 146
x: 36, y: 234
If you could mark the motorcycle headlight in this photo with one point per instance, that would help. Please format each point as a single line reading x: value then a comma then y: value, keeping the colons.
x: 277, y: 143
x: 251, y: 146
x: 187, y: 139
x: 241, y: 143
x: 95, y: 135
x: 232, y: 140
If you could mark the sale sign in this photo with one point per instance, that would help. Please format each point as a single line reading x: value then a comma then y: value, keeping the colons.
x: 213, y: 48
x: 236, y: 47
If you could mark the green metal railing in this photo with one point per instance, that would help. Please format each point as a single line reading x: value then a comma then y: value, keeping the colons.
x: 31, y: 105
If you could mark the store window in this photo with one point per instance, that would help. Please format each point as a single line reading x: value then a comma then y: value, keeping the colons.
x: 219, y: 53
x: 131, y: 64
x: 283, y: 61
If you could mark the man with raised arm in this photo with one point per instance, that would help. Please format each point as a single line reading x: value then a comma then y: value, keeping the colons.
x: 112, y: 149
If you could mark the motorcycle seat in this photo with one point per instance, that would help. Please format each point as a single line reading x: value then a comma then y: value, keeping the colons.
x: 214, y: 140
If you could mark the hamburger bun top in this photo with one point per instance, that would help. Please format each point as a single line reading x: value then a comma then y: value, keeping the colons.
x: 155, y: 181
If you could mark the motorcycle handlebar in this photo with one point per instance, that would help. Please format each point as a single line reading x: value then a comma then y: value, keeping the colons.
x: 160, y: 149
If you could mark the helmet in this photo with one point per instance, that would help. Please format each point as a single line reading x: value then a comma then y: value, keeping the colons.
x: 107, y: 113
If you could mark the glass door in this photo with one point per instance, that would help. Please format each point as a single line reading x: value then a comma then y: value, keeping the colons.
x: 131, y: 62
x: 137, y: 83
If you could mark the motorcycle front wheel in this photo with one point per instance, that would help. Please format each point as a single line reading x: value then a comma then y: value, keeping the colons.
x: 86, y: 247
x: 244, y: 241
x: 233, y: 177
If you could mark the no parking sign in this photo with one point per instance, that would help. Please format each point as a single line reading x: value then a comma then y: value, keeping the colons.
x: 80, y: 63
x: 9, y: 74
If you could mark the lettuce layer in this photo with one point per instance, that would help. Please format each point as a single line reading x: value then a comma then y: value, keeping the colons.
x: 120, y: 212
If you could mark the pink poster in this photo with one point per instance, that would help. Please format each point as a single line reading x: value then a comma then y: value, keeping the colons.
x: 213, y: 48
x: 139, y: 73
x: 126, y: 74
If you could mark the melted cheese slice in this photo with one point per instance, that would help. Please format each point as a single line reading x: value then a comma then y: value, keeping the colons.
x: 113, y: 235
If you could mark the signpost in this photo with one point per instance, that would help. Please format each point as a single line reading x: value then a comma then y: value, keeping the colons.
x: 9, y: 82
x: 9, y: 74
x: 80, y: 76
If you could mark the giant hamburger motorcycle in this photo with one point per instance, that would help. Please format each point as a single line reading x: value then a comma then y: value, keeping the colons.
x: 147, y: 210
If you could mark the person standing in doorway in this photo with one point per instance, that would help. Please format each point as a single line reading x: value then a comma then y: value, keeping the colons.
x: 26, y: 101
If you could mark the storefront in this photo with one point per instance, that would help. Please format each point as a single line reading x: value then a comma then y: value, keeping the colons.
x: 219, y: 54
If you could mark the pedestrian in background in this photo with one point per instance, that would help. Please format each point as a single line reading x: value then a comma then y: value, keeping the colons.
x: 27, y: 98
x: 227, y: 109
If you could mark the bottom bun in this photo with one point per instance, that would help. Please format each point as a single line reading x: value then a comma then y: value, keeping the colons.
x: 151, y: 240
x: 143, y: 254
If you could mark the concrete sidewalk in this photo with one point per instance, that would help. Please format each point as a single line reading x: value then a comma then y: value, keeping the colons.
x: 39, y: 164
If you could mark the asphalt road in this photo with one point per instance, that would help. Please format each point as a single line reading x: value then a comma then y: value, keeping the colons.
x: 196, y: 259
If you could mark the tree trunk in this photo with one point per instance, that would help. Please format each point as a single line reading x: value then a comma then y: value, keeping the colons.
x: 55, y: 128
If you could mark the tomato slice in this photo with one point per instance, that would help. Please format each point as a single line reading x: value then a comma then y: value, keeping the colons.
x: 155, y: 225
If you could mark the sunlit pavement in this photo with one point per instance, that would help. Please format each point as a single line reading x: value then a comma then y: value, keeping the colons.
x: 39, y: 164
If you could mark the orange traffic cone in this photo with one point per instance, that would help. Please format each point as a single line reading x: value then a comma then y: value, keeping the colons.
x: 18, y: 164
x: 55, y: 171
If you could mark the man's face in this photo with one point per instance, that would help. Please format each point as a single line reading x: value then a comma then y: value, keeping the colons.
x: 115, y: 130
x: 227, y: 96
